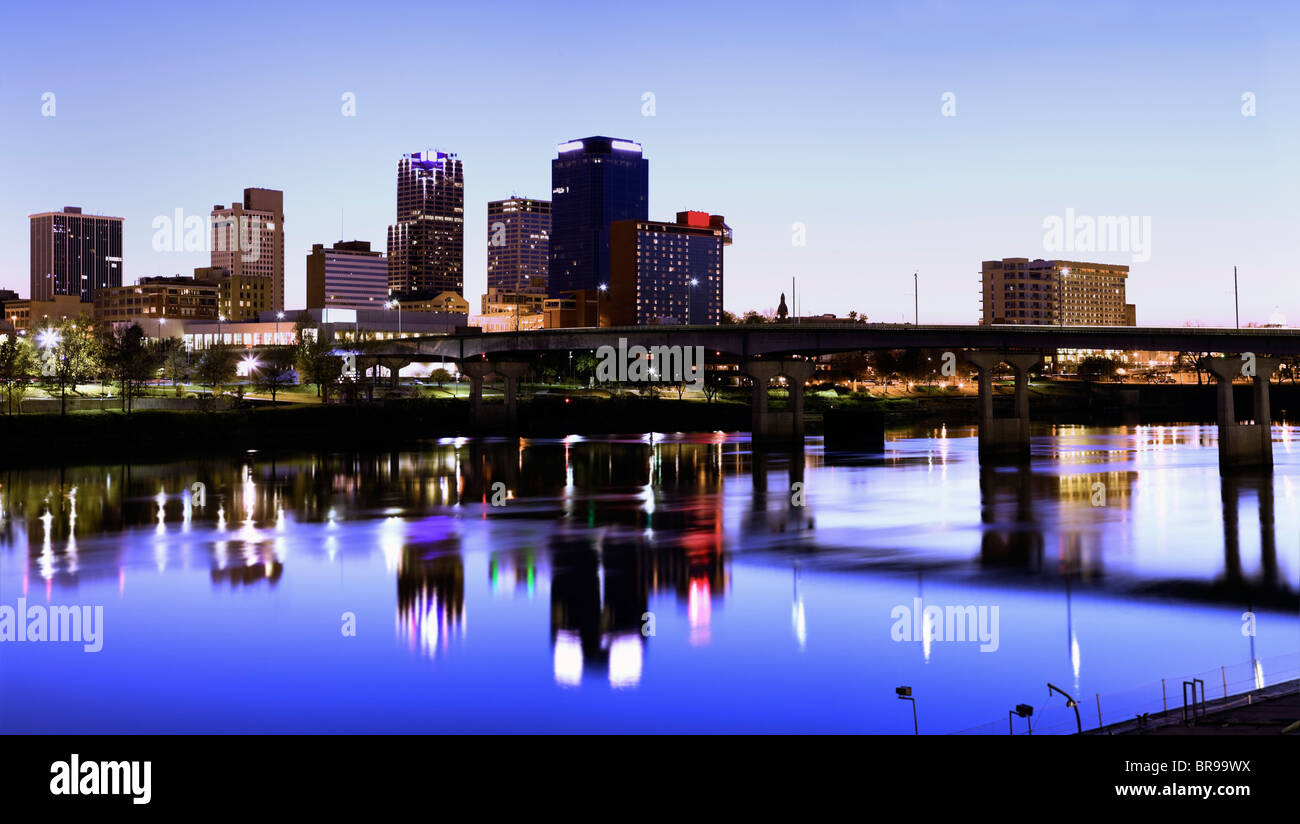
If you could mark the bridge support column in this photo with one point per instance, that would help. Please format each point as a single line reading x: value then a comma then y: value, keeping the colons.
x: 480, y: 415
x: 1243, y: 445
x: 784, y: 424
x: 1004, y: 436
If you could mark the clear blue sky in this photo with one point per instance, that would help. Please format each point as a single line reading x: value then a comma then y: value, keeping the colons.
x: 827, y: 114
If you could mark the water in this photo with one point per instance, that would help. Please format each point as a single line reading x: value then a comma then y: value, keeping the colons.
x: 659, y: 583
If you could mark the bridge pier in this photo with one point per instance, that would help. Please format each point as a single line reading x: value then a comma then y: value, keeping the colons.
x: 482, y: 416
x: 1004, y: 437
x: 1243, y: 445
x: 780, y: 425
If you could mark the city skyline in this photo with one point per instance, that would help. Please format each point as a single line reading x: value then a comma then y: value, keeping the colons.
x: 879, y: 182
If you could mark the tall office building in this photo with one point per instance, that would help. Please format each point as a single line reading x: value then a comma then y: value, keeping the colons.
x: 74, y: 254
x: 519, y: 231
x: 666, y: 272
x: 248, y: 243
x: 426, y: 246
x: 347, y: 276
x: 594, y: 182
x: 1056, y: 293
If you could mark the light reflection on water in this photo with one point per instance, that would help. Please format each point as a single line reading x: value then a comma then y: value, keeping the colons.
x: 658, y: 583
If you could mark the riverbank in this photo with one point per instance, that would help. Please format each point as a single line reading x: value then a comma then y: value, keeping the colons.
x: 168, y: 434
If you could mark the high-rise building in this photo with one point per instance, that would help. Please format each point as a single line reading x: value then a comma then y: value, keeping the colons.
x: 1055, y: 293
x: 595, y: 181
x: 426, y: 246
x: 74, y: 254
x: 519, y: 230
x: 347, y: 276
x: 666, y: 272
x: 248, y: 243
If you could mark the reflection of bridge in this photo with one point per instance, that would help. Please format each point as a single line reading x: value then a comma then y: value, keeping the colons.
x: 768, y: 351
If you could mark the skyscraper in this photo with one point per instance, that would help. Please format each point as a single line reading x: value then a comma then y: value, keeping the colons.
x: 594, y: 182
x: 519, y: 232
x: 74, y: 254
x: 666, y: 272
x: 426, y: 246
x: 248, y: 243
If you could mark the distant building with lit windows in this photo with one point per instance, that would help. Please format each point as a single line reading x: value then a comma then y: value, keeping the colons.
x: 176, y: 296
x: 74, y: 254
x: 426, y: 245
x: 347, y: 275
x: 666, y: 272
x: 519, y: 231
x: 248, y: 243
x: 1055, y: 292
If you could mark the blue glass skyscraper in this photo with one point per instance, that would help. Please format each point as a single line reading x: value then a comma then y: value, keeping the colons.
x: 594, y: 182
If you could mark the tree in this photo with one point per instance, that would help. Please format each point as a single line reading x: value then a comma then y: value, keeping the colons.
x: 440, y: 376
x: 275, y: 370
x: 69, y: 354
x: 176, y: 362
x: 1097, y: 368
x: 216, y: 366
x: 752, y: 317
x: 317, y: 362
x: 129, y: 360
x: 17, y: 368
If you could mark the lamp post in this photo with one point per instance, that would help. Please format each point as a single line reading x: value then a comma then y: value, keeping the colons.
x: 220, y: 320
x: 1069, y: 702
x: 1060, y: 295
x: 161, y: 321
x: 690, y: 299
x: 905, y: 694
x: 279, y: 316
x: 916, y: 298
x: 396, y: 304
x: 600, y: 292
x: 1024, y: 711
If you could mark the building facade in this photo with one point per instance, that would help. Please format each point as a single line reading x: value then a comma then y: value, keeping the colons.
x: 348, y: 275
x: 519, y: 231
x: 1055, y: 292
x: 74, y: 254
x: 666, y: 272
x: 177, y: 296
x: 595, y: 182
x: 248, y: 242
x: 426, y: 246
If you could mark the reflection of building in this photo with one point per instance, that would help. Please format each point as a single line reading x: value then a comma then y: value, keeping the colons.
x: 347, y: 275
x: 426, y: 245
x: 1055, y: 292
x: 248, y: 244
x: 74, y: 254
x: 430, y: 600
x: 597, y: 609
x: 666, y: 272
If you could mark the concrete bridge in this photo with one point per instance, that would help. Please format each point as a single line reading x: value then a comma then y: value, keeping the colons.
x: 768, y: 351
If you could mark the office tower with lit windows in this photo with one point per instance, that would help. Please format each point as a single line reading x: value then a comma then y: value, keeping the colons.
x: 595, y: 181
x: 426, y: 245
x: 1056, y: 293
x: 248, y: 244
x: 519, y: 230
x: 347, y: 276
x: 74, y: 254
x: 666, y: 272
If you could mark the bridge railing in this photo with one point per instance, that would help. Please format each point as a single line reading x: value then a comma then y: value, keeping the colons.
x: 1221, y: 687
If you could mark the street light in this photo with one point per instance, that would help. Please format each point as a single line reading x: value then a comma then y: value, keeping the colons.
x: 600, y: 290
x: 161, y: 321
x: 1024, y: 711
x: 389, y: 304
x: 279, y: 316
x: 905, y: 694
x: 1060, y: 295
x: 690, y: 295
x: 1069, y: 702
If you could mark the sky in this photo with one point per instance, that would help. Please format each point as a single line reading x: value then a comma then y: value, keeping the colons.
x: 848, y: 144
